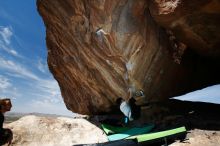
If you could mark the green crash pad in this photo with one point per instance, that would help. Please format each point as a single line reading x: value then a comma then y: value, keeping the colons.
x: 156, y: 135
x: 131, y: 132
x: 109, y: 129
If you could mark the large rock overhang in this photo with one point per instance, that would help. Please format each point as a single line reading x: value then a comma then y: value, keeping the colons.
x: 99, y: 51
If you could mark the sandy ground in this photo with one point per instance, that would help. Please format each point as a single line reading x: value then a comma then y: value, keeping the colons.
x: 198, y: 137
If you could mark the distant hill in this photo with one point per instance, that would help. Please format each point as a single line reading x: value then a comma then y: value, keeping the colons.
x: 14, y: 116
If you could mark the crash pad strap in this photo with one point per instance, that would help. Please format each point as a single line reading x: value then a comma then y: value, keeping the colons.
x: 131, y: 132
x: 156, y: 135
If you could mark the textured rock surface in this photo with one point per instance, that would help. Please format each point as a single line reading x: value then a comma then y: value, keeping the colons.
x: 99, y: 50
x: 195, y: 22
x: 51, y: 131
x: 198, y: 137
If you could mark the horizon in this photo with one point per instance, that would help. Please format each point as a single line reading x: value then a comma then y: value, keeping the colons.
x: 37, y: 113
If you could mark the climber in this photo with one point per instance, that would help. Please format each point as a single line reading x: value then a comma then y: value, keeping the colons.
x: 6, y: 135
x: 125, y: 109
x: 129, y: 108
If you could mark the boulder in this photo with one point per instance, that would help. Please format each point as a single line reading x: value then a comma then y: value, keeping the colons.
x: 54, y: 131
x: 101, y: 50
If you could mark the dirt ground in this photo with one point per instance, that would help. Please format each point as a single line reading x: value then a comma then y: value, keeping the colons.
x: 197, y: 137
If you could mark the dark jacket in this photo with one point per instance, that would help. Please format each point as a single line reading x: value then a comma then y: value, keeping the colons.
x: 6, y: 135
x: 1, y: 121
x: 135, y: 110
x: 2, y: 118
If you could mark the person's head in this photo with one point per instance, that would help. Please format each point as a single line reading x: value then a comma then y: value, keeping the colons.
x: 119, y: 101
x: 132, y: 100
x: 5, y: 104
x: 139, y: 93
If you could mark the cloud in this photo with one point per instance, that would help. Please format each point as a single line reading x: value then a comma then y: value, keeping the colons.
x: 5, y: 40
x: 46, y: 98
x: 20, y: 70
x: 6, y: 33
x: 7, y: 89
x: 4, y: 83
x: 51, y: 90
x: 47, y: 91
x: 9, y: 50
x: 42, y: 66
x: 43, y: 94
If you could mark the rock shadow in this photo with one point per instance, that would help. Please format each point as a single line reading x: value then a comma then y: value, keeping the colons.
x: 174, y: 113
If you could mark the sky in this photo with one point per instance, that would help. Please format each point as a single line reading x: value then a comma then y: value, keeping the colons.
x: 24, y: 74
x: 209, y: 94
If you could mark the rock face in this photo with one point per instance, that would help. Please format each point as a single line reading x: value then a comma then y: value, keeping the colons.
x: 101, y: 50
x: 196, y: 23
x: 51, y: 131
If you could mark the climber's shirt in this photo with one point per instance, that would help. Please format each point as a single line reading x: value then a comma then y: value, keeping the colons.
x: 126, y: 110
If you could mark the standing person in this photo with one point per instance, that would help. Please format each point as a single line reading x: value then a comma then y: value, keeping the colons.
x: 6, y: 135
